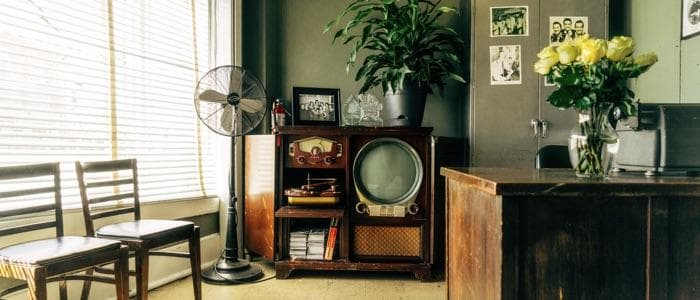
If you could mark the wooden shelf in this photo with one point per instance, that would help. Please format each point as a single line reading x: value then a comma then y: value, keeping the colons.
x: 309, y: 212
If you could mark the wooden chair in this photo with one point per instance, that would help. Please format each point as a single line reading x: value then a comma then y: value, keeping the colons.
x: 119, y: 186
x: 52, y: 259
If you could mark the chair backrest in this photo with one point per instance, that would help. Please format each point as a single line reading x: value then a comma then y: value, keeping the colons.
x: 20, y: 187
x: 110, y: 185
x: 553, y: 156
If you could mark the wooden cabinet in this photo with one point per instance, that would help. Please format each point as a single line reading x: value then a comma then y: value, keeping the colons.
x: 545, y: 234
x: 375, y: 232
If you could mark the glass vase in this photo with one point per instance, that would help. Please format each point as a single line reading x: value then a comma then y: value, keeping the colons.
x: 593, y: 142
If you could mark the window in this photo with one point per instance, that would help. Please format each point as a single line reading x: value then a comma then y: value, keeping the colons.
x: 107, y: 79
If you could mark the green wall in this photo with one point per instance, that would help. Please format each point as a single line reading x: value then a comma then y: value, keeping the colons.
x: 284, y: 40
x: 283, y: 44
x: 656, y: 26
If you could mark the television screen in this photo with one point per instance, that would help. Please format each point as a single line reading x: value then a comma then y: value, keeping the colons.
x: 388, y: 171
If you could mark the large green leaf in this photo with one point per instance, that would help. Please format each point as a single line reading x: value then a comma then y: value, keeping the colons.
x: 405, y: 42
x: 561, y: 98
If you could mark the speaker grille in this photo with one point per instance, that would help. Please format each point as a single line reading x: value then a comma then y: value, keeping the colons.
x: 387, y: 241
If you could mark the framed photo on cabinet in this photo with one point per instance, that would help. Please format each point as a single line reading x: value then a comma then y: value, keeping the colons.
x: 315, y: 106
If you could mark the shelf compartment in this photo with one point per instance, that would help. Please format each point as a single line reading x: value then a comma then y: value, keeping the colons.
x: 309, y: 212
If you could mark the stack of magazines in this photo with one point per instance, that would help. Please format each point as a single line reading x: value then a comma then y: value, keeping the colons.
x: 297, y: 244
x: 316, y: 244
x: 307, y: 244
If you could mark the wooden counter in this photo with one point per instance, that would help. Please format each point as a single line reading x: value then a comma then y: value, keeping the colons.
x: 545, y: 234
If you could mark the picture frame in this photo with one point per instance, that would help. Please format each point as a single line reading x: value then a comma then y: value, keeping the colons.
x: 690, y: 19
x: 315, y: 106
x: 509, y: 21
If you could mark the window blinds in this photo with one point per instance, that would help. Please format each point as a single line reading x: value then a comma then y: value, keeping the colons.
x: 107, y: 79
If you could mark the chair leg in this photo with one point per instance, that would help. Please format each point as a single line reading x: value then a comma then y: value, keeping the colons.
x: 121, y: 274
x: 37, y: 284
x: 141, y: 274
x: 196, y: 264
x: 62, y: 289
x: 86, y: 286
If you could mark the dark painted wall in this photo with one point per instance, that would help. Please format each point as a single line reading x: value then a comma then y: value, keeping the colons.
x: 284, y: 45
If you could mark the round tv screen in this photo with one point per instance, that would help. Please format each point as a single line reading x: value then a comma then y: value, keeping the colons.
x: 388, y: 171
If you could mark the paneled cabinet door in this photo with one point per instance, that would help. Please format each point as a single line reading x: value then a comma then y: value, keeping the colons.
x: 509, y: 122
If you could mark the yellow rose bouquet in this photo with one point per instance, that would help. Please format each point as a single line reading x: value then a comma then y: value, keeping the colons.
x: 588, y: 71
x: 591, y: 76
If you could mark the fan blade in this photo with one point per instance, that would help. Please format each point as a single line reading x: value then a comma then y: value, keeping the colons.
x: 213, y: 96
x: 252, y: 105
x: 235, y: 83
x: 227, y: 119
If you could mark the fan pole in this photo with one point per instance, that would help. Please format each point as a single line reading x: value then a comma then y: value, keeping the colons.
x: 230, y: 269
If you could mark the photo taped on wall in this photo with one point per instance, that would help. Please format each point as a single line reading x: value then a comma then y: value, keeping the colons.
x: 690, y: 18
x: 566, y: 28
x: 509, y: 21
x: 505, y: 64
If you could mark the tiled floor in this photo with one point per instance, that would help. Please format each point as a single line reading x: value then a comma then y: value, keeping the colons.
x: 313, y: 285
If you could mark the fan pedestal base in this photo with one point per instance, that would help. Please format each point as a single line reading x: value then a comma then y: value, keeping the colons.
x: 231, y: 272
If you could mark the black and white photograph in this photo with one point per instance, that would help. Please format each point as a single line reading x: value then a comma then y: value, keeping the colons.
x: 505, y: 64
x: 562, y: 29
x: 509, y: 21
x: 690, y: 18
x: 316, y: 106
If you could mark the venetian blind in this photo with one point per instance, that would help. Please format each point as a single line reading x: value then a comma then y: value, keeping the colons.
x: 107, y: 79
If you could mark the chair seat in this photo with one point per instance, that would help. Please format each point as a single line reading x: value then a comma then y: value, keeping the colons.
x: 42, y: 252
x: 143, y: 229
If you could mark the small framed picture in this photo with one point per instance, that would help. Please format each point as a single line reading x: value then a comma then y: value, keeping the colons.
x: 562, y: 29
x: 690, y: 18
x: 315, y: 106
x: 505, y: 64
x: 509, y: 21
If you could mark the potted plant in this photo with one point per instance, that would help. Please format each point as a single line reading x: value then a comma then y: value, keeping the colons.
x: 410, y: 52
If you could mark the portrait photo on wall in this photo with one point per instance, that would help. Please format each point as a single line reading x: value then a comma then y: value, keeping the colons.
x: 315, y: 106
x: 509, y: 21
x: 563, y: 29
x: 505, y: 64
x: 690, y: 18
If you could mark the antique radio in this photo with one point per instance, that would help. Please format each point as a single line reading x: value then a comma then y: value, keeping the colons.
x: 661, y: 138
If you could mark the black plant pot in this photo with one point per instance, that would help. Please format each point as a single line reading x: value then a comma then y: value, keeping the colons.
x: 405, y: 107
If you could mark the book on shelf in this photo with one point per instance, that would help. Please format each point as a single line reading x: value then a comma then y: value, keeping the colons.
x: 330, y: 241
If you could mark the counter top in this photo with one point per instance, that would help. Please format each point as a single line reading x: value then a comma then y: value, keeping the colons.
x: 536, y: 182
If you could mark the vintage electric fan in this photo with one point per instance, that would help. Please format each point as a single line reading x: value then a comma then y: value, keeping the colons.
x: 231, y: 102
